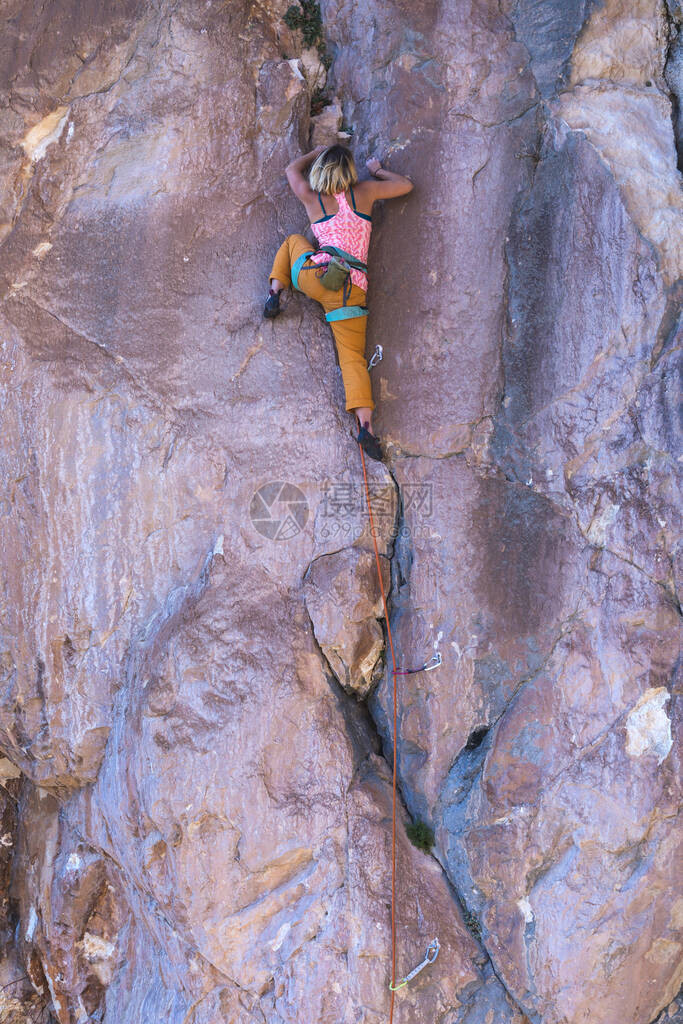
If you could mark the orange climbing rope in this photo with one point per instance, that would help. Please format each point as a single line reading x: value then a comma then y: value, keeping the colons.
x: 393, y: 809
x: 435, y: 661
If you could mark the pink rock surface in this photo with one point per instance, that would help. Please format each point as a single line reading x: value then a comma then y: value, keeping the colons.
x: 195, y: 687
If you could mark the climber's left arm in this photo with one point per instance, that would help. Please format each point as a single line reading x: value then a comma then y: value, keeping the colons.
x: 298, y: 182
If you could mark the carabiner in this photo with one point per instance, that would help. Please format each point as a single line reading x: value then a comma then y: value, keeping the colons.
x: 430, y: 956
x: 376, y: 356
x: 433, y: 662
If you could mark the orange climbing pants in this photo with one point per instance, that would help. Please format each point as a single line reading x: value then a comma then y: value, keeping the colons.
x: 349, y: 335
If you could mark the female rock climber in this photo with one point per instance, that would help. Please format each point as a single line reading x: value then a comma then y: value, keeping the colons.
x: 346, y: 225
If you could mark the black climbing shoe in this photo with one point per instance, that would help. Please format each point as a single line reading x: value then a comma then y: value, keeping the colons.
x: 272, y: 306
x: 370, y: 444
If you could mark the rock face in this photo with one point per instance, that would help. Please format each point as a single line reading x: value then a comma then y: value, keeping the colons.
x: 344, y: 601
x: 196, y: 718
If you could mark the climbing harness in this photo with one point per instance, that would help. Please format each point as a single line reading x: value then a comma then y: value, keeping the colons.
x: 297, y: 265
x: 430, y: 956
x: 346, y: 313
x: 434, y: 662
x: 341, y: 254
x: 376, y: 356
x: 340, y: 258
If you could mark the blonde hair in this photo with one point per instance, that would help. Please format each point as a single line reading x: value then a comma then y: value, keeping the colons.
x: 333, y: 170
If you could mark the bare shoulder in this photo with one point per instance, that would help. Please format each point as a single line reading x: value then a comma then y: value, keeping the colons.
x: 364, y: 189
x: 365, y: 195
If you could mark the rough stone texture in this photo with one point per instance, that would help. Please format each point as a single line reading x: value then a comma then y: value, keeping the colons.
x: 195, y: 695
x: 618, y: 97
x: 673, y: 1014
x: 673, y: 72
x: 549, y: 30
x: 326, y: 126
x: 344, y: 600
x: 20, y: 1001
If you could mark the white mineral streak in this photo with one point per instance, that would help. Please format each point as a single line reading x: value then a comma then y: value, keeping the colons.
x: 648, y: 728
x: 43, y: 134
x: 31, y: 926
x: 525, y: 907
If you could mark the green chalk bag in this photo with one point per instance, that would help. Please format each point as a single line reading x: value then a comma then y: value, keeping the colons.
x: 336, y: 274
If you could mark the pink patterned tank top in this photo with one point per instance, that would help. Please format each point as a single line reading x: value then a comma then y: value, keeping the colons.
x: 347, y: 229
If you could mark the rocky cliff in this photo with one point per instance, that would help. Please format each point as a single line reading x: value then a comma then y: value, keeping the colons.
x: 196, y: 718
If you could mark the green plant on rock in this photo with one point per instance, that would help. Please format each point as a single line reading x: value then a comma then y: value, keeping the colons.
x: 307, y: 18
x: 420, y: 835
x: 319, y: 99
x: 472, y: 923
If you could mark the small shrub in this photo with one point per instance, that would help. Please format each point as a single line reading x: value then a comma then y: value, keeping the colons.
x: 420, y: 835
x: 306, y: 17
x: 473, y: 924
x: 319, y: 99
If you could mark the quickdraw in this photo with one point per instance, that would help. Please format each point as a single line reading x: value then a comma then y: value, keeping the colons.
x: 377, y: 356
x: 430, y: 956
x: 433, y: 663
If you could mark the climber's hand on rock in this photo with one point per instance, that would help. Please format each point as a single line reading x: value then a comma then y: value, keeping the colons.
x: 373, y: 165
